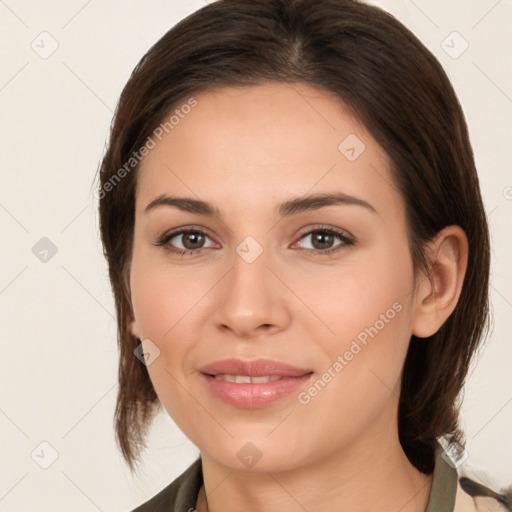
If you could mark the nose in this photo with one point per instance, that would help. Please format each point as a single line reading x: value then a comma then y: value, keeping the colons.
x: 252, y: 299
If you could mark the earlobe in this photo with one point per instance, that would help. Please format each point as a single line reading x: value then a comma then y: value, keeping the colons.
x: 133, y: 328
x: 438, y: 292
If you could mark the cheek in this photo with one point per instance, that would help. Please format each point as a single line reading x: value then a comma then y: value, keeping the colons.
x: 368, y: 297
x: 160, y: 308
x: 370, y: 314
x: 164, y: 296
x: 166, y: 301
x: 368, y: 310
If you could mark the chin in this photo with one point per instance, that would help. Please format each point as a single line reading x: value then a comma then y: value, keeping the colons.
x: 254, y: 454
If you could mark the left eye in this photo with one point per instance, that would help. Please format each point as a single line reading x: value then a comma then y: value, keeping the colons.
x: 322, y: 240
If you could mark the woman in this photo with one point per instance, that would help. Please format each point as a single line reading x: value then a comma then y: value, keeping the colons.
x: 296, y: 240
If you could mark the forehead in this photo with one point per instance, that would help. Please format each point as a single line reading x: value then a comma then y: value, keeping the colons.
x: 265, y: 143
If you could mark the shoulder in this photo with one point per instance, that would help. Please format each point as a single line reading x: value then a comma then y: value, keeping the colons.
x: 465, y: 503
x: 179, y: 495
x: 457, y: 485
x: 471, y: 501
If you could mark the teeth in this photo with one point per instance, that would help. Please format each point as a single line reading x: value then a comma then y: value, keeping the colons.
x: 258, y: 380
x: 245, y: 379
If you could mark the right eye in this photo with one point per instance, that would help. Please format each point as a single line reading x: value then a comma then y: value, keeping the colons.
x: 192, y: 241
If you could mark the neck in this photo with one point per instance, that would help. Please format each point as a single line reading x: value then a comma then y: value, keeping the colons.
x: 362, y: 477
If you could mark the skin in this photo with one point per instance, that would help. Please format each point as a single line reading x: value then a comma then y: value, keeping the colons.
x: 246, y: 150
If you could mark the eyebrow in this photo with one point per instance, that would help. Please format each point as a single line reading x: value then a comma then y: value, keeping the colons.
x: 287, y: 208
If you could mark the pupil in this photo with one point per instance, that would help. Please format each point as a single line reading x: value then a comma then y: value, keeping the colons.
x: 192, y: 235
x: 326, y: 238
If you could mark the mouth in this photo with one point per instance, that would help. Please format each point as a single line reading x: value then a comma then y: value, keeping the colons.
x: 246, y: 379
x: 253, y: 384
x: 252, y: 368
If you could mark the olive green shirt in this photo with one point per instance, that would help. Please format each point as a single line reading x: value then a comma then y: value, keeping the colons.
x: 181, y: 494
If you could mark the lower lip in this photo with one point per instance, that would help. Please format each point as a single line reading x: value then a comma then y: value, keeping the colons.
x: 254, y: 396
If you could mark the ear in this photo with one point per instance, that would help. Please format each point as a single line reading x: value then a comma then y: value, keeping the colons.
x: 438, y: 291
x: 134, y: 329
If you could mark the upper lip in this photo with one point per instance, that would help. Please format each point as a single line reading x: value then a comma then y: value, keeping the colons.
x: 254, y: 368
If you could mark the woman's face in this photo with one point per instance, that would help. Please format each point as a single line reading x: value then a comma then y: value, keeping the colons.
x: 257, y: 280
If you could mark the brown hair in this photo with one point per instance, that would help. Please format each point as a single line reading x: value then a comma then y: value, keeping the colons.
x: 398, y: 90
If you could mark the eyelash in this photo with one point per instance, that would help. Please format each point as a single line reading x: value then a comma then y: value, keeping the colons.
x: 347, y: 241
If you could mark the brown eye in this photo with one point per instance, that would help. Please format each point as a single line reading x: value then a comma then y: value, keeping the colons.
x: 185, y: 241
x: 192, y: 240
x: 323, y: 240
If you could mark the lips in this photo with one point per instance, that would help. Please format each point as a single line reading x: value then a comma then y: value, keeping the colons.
x: 253, y: 384
x: 255, y: 368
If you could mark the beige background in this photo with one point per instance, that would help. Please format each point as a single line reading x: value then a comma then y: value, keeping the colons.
x: 58, y: 366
